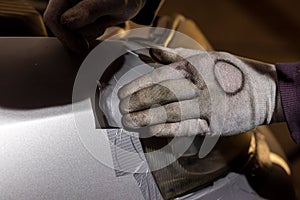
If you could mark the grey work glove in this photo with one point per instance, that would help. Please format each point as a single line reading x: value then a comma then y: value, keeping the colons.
x: 77, y: 23
x: 174, y: 100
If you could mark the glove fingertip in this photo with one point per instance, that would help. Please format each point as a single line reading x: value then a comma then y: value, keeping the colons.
x: 67, y: 17
x: 157, y: 55
x: 163, y: 56
x: 73, y: 20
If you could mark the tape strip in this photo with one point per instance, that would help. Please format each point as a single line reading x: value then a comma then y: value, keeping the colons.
x: 122, y: 142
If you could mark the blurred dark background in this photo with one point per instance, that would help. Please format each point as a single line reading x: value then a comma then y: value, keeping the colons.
x: 267, y: 30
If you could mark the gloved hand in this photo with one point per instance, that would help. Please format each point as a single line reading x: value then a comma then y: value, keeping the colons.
x: 174, y: 100
x: 78, y: 22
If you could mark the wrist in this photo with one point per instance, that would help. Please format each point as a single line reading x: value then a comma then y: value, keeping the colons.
x: 278, y: 115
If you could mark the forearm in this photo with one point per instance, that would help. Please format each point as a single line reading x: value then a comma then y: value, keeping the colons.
x: 289, y: 89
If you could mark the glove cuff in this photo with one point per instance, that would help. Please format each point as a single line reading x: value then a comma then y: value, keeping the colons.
x: 278, y: 115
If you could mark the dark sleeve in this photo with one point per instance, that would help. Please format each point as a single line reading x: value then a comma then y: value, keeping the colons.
x: 289, y: 87
x: 148, y: 12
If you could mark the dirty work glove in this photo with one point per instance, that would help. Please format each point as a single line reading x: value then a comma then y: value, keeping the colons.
x: 79, y: 22
x: 173, y: 100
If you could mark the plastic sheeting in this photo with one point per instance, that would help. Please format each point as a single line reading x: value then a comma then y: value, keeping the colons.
x: 132, y: 67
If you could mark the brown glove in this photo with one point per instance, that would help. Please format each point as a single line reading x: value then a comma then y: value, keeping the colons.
x: 79, y: 22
